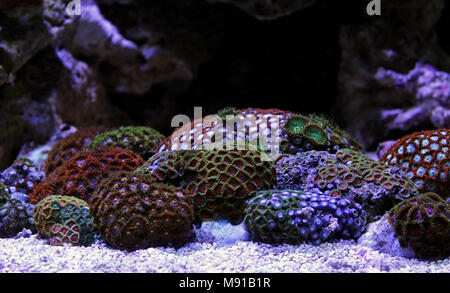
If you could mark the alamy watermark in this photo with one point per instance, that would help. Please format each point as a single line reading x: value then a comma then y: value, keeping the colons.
x: 74, y: 8
x: 374, y: 7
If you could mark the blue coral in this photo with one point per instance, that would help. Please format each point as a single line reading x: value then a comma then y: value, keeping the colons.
x: 279, y: 216
x: 14, y: 217
x: 22, y: 176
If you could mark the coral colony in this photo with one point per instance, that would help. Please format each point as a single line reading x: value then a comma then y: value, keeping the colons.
x: 89, y: 161
x: 320, y: 189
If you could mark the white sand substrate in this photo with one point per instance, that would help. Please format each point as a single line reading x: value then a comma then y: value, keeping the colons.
x: 219, y: 248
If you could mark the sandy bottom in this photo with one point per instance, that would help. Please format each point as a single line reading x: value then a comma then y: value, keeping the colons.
x: 219, y: 248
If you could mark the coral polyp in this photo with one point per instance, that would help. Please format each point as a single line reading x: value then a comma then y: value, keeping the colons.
x: 67, y: 147
x: 304, y: 133
x: 292, y: 216
x: 133, y: 211
x: 4, y: 193
x: 347, y: 174
x: 425, y: 158
x: 219, y: 181
x: 64, y: 219
x: 139, y: 139
x: 22, y: 176
x: 264, y: 127
x: 244, y: 126
x: 80, y: 175
x: 423, y: 224
x: 14, y: 217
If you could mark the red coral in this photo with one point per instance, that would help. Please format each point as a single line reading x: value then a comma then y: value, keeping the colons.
x: 72, y: 144
x: 132, y: 212
x: 424, y: 156
x: 80, y: 175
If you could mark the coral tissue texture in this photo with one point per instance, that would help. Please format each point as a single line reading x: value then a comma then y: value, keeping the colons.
x: 425, y: 158
x: 64, y: 219
x: 423, y: 223
x: 348, y: 174
x: 134, y: 212
x: 267, y: 128
x: 139, y: 139
x: 279, y: 216
x: 80, y: 175
x: 219, y: 181
x: 67, y: 147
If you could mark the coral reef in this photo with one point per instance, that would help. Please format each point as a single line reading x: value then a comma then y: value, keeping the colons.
x: 80, y: 175
x: 15, y: 215
x: 305, y: 133
x: 348, y: 174
x: 269, y: 9
x: 64, y: 219
x: 278, y: 216
x: 135, y: 212
x: 139, y: 139
x: 22, y: 176
x: 424, y: 156
x: 293, y: 171
x: 255, y: 126
x: 67, y: 147
x: 294, y: 133
x: 4, y: 193
x: 219, y: 181
x: 423, y: 224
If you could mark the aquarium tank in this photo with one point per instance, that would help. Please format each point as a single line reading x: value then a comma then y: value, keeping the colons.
x: 224, y: 136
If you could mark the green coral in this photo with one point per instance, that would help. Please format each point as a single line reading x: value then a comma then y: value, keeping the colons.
x: 423, y: 224
x: 4, y: 194
x: 295, y: 125
x: 135, y: 212
x: 226, y: 112
x: 64, y: 219
x: 139, y: 139
x: 313, y: 132
x: 219, y: 181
